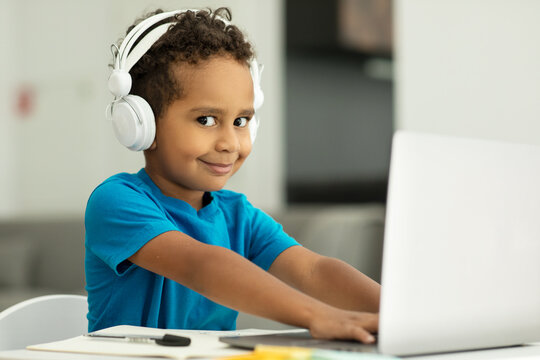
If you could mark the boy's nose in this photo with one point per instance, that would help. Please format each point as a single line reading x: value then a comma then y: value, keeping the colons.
x: 228, y: 140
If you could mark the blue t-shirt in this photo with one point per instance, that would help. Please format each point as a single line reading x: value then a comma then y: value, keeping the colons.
x: 128, y: 210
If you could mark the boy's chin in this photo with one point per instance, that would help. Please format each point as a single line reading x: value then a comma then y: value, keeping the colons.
x: 215, y: 187
x: 217, y: 183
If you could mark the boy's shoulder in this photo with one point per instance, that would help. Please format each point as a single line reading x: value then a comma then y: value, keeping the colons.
x: 118, y: 183
x: 122, y: 178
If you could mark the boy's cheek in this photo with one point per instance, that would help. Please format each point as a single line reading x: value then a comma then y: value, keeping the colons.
x: 244, y: 153
x: 245, y: 146
x: 246, y: 149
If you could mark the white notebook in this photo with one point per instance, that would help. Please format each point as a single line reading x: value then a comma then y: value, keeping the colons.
x: 204, y: 344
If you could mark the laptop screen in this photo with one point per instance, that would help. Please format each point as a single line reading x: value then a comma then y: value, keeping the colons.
x: 462, y: 243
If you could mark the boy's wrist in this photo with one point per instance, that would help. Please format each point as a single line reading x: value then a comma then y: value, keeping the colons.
x: 312, y: 311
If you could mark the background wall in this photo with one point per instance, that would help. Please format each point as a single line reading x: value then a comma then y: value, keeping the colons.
x: 469, y: 67
x: 55, y: 144
x: 466, y: 67
x: 7, y: 155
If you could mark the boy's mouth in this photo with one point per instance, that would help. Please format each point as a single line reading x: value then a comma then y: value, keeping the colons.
x: 217, y: 168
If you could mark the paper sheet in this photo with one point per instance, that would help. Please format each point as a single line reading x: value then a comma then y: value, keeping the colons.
x: 204, y: 344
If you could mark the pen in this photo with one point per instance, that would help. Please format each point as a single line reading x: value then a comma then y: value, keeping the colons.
x: 165, y: 340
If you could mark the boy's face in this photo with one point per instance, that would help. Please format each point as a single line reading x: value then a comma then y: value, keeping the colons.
x: 203, y: 138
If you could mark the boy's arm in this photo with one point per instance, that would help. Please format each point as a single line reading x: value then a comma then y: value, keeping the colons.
x: 229, y: 279
x: 327, y: 279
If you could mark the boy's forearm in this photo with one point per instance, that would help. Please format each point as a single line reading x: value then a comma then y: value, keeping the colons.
x: 327, y: 279
x: 339, y: 284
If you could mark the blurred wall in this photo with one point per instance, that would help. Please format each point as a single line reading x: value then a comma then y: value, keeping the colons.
x: 7, y: 155
x: 469, y: 67
x: 55, y: 144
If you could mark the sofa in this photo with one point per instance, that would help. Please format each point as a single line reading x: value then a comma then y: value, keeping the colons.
x: 40, y: 257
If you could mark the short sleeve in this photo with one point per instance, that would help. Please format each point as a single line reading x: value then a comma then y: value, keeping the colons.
x: 120, y: 219
x: 267, y: 238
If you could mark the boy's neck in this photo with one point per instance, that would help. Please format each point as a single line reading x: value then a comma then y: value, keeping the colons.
x: 192, y: 197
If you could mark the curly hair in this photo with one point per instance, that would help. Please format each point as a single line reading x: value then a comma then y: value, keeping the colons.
x: 195, y: 36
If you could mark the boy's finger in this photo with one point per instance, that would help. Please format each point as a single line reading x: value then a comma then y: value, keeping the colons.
x: 364, y: 336
x: 371, y: 324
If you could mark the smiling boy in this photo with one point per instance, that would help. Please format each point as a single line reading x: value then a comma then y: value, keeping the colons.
x: 203, y: 137
x: 167, y: 247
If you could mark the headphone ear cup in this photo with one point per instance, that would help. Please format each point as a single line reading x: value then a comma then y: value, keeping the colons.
x: 253, y: 127
x: 133, y: 122
x: 258, y: 96
x: 256, y: 73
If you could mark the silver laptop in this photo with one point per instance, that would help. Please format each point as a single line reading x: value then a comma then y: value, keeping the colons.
x: 461, y: 262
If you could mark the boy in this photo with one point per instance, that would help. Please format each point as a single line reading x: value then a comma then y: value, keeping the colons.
x: 168, y: 248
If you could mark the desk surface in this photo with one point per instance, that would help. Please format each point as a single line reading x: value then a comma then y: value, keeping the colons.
x: 205, y: 344
x: 49, y: 355
x: 521, y: 353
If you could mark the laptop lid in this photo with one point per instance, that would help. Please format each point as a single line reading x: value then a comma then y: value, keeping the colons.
x: 461, y: 259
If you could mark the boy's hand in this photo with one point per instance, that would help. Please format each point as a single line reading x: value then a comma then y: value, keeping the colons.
x: 346, y: 325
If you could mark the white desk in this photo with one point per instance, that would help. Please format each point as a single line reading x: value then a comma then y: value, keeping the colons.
x: 517, y: 353
x: 206, y: 342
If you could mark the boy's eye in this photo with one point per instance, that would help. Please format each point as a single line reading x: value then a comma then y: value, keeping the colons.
x: 207, y: 120
x: 241, y: 122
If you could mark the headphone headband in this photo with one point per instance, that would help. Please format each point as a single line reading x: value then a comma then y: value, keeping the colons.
x: 137, y: 43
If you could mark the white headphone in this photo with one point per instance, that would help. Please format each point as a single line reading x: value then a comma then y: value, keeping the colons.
x: 132, y: 117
